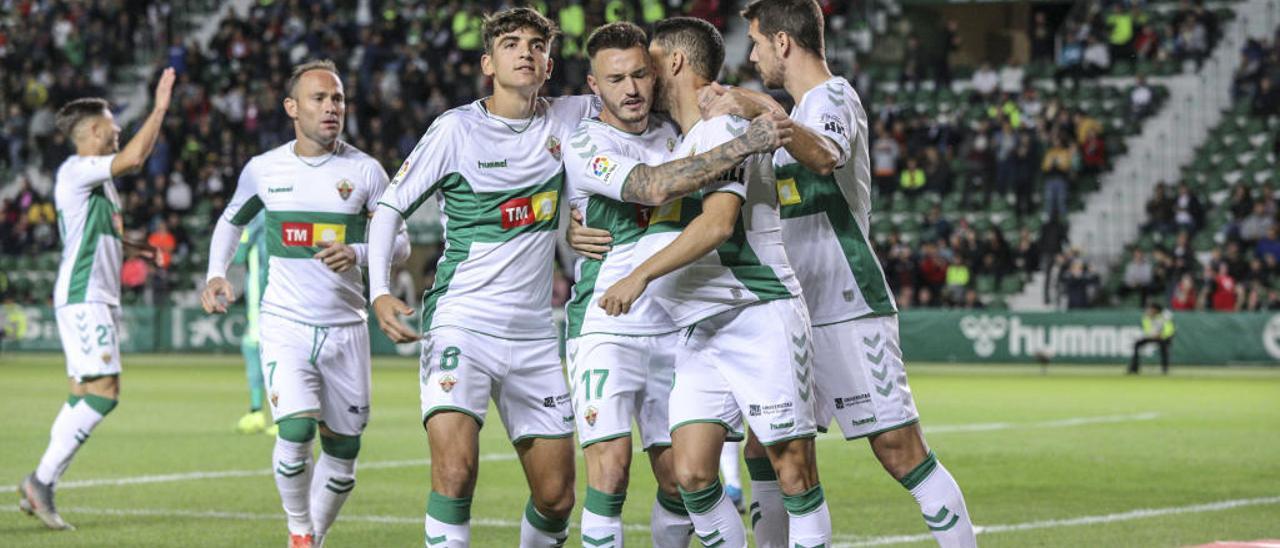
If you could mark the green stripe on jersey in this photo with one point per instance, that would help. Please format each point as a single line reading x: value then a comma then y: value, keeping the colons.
x: 626, y: 222
x: 488, y: 217
x: 820, y: 194
x: 291, y: 234
x: 247, y: 211
x: 97, y: 223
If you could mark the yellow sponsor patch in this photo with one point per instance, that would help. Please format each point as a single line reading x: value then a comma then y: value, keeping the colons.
x: 544, y: 205
x: 666, y: 213
x: 788, y: 194
x: 329, y: 233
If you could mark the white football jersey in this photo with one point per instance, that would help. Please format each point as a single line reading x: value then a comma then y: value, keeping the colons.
x: 751, y: 266
x: 598, y: 161
x: 497, y: 183
x: 90, y: 224
x: 826, y: 218
x: 308, y: 201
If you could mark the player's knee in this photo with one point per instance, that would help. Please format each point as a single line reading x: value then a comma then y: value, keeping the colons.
x: 455, y: 477
x: 795, y: 465
x: 695, y: 478
x: 340, y: 446
x: 554, y: 501
x: 899, y: 451
x: 297, y: 429
x: 753, y: 449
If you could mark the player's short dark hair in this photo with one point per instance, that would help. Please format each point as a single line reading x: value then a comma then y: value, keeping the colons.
x: 800, y: 19
x: 620, y: 35
x: 698, y: 39
x: 514, y: 19
x: 71, y: 114
x: 298, y: 71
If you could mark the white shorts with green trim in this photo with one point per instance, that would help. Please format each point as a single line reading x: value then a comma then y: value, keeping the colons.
x: 862, y: 382
x: 90, y: 339
x: 461, y: 370
x: 756, y: 360
x: 620, y: 378
x: 317, y: 370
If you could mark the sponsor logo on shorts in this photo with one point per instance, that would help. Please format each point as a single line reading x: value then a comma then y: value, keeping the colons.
x: 567, y: 419
x: 356, y: 409
x: 344, y: 189
x: 782, y: 425
x: 311, y: 234
x: 775, y: 409
x: 848, y: 295
x: 447, y: 382
x: 518, y: 212
x: 591, y: 415
x: 846, y: 401
x: 553, y: 401
x: 860, y: 422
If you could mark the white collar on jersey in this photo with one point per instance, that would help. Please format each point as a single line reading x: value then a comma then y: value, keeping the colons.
x: 314, y: 161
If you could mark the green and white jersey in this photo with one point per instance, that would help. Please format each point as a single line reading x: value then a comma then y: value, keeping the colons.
x: 497, y: 183
x: 308, y: 201
x: 826, y: 218
x: 90, y: 224
x: 598, y: 161
x: 751, y: 266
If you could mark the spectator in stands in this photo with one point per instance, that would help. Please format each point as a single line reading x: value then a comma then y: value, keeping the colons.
x: 937, y: 172
x: 884, y: 158
x: 1159, y: 211
x: 1266, y: 102
x: 1057, y: 167
x: 1139, y: 277
x: 1006, y: 146
x: 1011, y: 77
x: 1146, y: 45
x: 1093, y: 153
x: 1257, y: 224
x: 1188, y: 212
x: 1097, y: 58
x: 1042, y: 38
x: 913, y: 66
x: 1053, y: 238
x: 958, y: 277
x: 1070, y: 59
x: 985, y: 83
x: 1225, y: 295
x: 1079, y: 285
x: 1141, y: 99
x: 951, y: 43
x: 1026, y: 258
x: 1185, y: 295
x: 971, y: 300
x: 1269, y: 245
x: 912, y: 180
x: 931, y: 274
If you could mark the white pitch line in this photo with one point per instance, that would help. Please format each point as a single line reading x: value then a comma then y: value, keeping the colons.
x: 249, y: 516
x: 498, y: 457
x: 1072, y: 522
x: 994, y: 426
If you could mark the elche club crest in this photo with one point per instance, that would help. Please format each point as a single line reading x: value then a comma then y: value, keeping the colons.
x: 591, y: 415
x: 345, y: 188
x: 553, y: 146
x: 447, y: 381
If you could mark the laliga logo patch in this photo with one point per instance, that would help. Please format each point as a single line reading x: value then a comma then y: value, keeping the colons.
x: 404, y: 168
x: 603, y: 168
x: 553, y: 146
x: 344, y: 188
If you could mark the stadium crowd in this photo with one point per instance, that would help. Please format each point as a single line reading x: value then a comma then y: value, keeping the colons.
x: 405, y: 66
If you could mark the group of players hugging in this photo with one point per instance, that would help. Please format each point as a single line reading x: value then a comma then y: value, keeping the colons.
x: 724, y: 278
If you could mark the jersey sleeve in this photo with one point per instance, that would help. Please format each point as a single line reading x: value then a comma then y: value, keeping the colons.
x: 830, y: 113
x: 719, y: 131
x: 426, y: 168
x: 595, y: 165
x: 245, y: 203
x: 378, y: 183
x: 86, y: 172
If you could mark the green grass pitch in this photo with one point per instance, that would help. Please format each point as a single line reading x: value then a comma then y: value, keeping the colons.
x: 1068, y: 459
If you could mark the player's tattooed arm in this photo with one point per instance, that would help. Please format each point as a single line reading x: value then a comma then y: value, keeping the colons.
x: 657, y: 185
x: 811, y: 149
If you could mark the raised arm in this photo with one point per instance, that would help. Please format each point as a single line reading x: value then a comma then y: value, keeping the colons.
x: 657, y: 185
x: 705, y: 232
x: 810, y: 148
x: 135, y: 153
